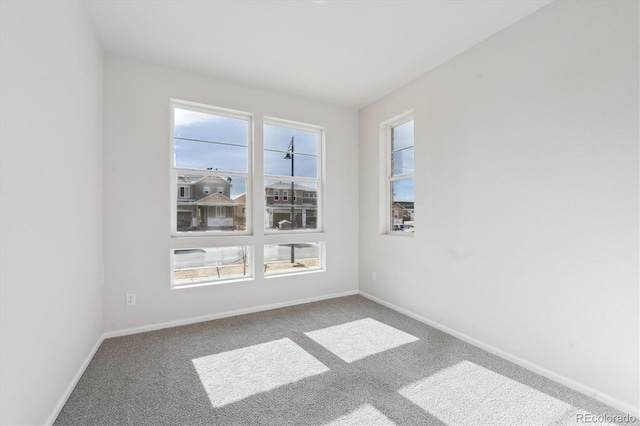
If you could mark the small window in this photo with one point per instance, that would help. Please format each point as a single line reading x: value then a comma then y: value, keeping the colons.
x: 183, y: 192
x: 294, y: 196
x: 285, y: 195
x: 400, y: 208
x: 206, y: 189
x: 200, y: 266
x: 291, y: 258
x: 220, y: 190
x: 276, y: 195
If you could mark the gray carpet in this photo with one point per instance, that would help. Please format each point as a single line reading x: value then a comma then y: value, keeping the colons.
x: 345, y: 361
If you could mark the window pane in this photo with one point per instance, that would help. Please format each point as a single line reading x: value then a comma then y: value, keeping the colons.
x: 402, y: 136
x: 402, y: 162
x: 210, y: 156
x: 209, y: 127
x: 210, y: 142
x: 211, y: 203
x: 290, y: 152
x: 288, y: 258
x: 278, y: 138
x: 276, y: 164
x: 301, y: 197
x: 402, y: 206
x: 191, y: 266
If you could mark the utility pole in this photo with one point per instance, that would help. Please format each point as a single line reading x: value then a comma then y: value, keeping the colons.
x: 290, y: 156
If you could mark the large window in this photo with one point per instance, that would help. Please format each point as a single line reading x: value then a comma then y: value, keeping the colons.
x: 211, y: 186
x: 211, y: 149
x: 400, y: 208
x: 292, y: 166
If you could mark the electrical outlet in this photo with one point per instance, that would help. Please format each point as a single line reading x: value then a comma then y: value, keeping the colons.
x: 373, y: 275
x: 131, y: 299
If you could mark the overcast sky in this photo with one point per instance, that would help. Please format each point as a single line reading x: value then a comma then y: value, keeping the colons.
x: 220, y: 143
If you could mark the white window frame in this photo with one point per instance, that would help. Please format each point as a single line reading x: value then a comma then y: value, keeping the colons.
x: 205, y: 282
x: 285, y: 195
x: 247, y: 238
x: 174, y: 171
x: 322, y: 255
x: 276, y: 195
x: 387, y: 171
x: 319, y: 181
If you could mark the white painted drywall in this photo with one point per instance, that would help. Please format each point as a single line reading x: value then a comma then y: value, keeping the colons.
x: 137, y: 200
x: 527, y: 195
x: 51, y: 221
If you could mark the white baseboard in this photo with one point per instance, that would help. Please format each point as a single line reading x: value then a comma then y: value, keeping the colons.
x: 227, y: 314
x: 570, y: 383
x: 72, y: 385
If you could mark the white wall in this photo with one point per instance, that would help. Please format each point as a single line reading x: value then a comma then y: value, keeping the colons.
x: 527, y: 195
x: 137, y: 201
x: 51, y: 209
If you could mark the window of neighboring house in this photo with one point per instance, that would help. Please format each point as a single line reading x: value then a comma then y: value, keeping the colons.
x: 220, y: 190
x: 400, y: 209
x: 211, y: 149
x: 183, y: 192
x: 285, y: 195
x: 294, y: 196
x: 276, y: 195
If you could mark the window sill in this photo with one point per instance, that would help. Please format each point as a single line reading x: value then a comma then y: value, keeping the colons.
x: 288, y: 274
x: 400, y: 234
x: 210, y: 283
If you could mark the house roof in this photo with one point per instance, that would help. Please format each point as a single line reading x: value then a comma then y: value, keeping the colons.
x: 216, y: 199
x: 406, y: 205
x: 188, y: 179
x: 191, y: 179
x: 287, y: 185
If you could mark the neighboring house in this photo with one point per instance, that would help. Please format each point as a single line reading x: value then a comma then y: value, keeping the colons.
x: 240, y: 211
x: 403, y: 214
x: 279, y: 200
x: 204, y: 203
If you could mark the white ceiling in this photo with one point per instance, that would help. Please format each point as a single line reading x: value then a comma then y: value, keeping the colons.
x: 347, y: 53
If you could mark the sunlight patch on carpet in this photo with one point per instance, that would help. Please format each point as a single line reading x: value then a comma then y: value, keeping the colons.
x: 358, y: 339
x: 467, y: 393
x: 234, y: 375
x: 364, y: 415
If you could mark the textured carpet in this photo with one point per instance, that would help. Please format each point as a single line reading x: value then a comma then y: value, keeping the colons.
x: 345, y: 361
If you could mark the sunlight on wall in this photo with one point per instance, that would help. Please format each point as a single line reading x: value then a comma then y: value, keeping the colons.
x: 234, y: 375
x: 467, y: 393
x: 364, y: 415
x: 358, y: 339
